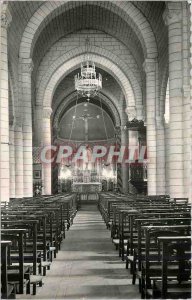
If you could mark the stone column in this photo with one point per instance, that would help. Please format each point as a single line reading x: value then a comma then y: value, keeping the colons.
x: 26, y: 70
x: 172, y: 17
x: 186, y: 141
x: 150, y: 69
x: 4, y: 106
x: 37, y: 141
x: 190, y: 82
x: 167, y: 159
x: 18, y: 160
x: 12, y: 159
x: 125, y: 167
x: 118, y: 165
x: 186, y: 54
x: 160, y: 156
x: 46, y: 140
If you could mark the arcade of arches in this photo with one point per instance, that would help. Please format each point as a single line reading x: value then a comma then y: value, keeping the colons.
x: 142, y: 51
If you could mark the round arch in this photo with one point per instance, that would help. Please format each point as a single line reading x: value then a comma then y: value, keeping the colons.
x: 72, y: 96
x: 69, y: 61
x: 104, y: 92
x: 126, y: 10
x: 135, y: 93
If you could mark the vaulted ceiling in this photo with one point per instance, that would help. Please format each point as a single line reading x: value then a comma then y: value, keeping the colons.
x: 63, y: 30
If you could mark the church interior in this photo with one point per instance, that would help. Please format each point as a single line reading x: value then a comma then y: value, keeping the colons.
x: 95, y: 152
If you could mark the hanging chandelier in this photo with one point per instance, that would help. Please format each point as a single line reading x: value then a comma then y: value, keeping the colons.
x: 89, y: 82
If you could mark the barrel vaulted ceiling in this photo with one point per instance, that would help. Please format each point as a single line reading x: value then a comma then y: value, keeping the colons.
x: 69, y: 19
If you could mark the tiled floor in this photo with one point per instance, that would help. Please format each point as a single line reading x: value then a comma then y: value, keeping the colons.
x: 87, y: 267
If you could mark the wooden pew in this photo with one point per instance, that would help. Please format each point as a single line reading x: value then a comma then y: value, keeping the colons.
x: 150, y: 268
x: 29, y: 258
x: 18, y: 274
x: 7, y: 289
x: 174, y: 248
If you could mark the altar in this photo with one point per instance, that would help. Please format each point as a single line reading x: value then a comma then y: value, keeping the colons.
x: 82, y: 187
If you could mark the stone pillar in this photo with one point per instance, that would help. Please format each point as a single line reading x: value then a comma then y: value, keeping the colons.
x: 186, y: 141
x: 26, y: 70
x: 167, y: 159
x: 124, y: 167
x: 172, y: 18
x: 46, y: 139
x: 186, y: 54
x: 18, y: 160
x: 190, y: 82
x: 118, y: 165
x: 160, y: 156
x: 12, y: 160
x: 37, y: 141
x: 150, y: 69
x: 4, y: 106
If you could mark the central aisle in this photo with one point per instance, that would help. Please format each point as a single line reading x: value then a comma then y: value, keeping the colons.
x: 87, y: 266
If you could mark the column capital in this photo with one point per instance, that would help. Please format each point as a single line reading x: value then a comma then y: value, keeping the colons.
x: 172, y: 14
x: 26, y: 65
x: 47, y: 111
x: 149, y: 65
x: 6, y: 17
x: 186, y: 90
x: 131, y: 112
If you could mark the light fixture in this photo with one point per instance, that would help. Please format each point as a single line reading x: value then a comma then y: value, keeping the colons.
x: 89, y: 82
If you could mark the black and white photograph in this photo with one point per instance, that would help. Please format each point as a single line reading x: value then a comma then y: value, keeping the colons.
x: 95, y: 149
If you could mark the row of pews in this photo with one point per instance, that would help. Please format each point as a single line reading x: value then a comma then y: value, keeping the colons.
x: 153, y: 237
x: 32, y: 230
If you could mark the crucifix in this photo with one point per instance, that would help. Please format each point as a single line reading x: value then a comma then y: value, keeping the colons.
x: 86, y: 117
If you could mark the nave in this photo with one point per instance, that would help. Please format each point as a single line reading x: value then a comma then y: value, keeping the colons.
x: 87, y: 266
x: 61, y: 247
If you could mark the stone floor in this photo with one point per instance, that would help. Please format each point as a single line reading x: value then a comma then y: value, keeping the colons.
x: 87, y: 267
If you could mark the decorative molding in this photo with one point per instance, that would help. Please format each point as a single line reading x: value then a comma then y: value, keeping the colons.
x: 27, y: 65
x: 149, y: 65
x: 47, y: 111
x: 131, y: 111
x: 118, y: 131
x: 171, y: 15
x: 6, y: 17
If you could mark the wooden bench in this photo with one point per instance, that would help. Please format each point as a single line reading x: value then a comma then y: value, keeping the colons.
x: 16, y: 274
x: 7, y: 288
x: 31, y: 258
x: 150, y: 266
x: 174, y: 248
